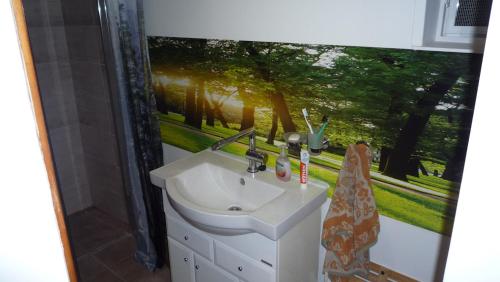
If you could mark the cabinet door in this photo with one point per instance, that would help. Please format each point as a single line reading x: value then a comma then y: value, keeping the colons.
x: 206, y: 271
x: 181, y: 262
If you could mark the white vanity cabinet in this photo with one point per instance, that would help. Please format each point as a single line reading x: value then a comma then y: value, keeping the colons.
x: 273, y: 236
x: 199, y: 256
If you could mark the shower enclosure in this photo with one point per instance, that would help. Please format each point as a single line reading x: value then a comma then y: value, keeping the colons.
x: 78, y: 77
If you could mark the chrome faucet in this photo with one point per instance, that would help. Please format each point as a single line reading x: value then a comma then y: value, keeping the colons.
x: 256, y: 159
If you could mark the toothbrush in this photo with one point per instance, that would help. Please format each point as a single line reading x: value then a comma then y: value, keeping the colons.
x: 304, y: 112
x: 325, y: 121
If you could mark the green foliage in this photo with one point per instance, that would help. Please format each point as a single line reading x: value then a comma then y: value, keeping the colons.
x: 431, y: 165
x: 368, y: 92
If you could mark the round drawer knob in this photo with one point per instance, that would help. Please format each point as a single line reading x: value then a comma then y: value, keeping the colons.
x: 240, y: 268
x: 197, y: 267
x: 186, y: 237
x: 185, y: 259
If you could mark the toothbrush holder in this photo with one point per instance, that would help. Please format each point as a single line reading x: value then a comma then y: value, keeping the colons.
x: 315, y: 142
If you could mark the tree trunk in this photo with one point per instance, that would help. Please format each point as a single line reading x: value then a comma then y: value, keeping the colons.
x: 190, y: 109
x: 411, y: 131
x: 220, y: 116
x: 274, y: 128
x: 159, y: 94
x: 384, y: 155
x: 455, y: 166
x: 393, y: 117
x: 277, y: 98
x: 247, y: 119
x: 415, y: 167
x: 200, y: 101
x: 395, y: 105
x: 422, y: 168
x: 405, y: 146
x: 412, y: 167
x: 209, y: 109
x: 210, y: 113
x: 248, y: 111
x: 160, y: 103
x: 280, y: 106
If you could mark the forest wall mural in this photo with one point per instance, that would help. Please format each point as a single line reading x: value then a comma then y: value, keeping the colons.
x: 414, y: 108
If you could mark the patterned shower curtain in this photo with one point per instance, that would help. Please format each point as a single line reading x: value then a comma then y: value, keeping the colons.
x: 140, y: 126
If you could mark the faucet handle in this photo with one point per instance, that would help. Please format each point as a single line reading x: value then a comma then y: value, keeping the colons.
x: 257, y: 156
x: 265, y: 157
x: 257, y: 160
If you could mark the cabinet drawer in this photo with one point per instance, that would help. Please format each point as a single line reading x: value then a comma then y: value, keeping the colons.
x: 206, y: 271
x: 191, y: 238
x: 241, y: 265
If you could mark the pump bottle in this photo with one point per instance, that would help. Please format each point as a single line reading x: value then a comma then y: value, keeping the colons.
x: 283, y: 169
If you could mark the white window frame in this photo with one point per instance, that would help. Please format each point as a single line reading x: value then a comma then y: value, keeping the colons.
x: 450, y: 30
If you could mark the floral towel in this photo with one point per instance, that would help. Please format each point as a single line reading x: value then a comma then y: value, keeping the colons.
x: 351, y: 225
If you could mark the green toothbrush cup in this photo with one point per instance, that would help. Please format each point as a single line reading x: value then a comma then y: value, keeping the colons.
x: 316, y: 142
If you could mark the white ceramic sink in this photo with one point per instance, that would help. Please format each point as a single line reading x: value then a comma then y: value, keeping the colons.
x: 213, y: 191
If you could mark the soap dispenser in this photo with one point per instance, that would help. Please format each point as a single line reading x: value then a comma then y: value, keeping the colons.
x: 283, y: 168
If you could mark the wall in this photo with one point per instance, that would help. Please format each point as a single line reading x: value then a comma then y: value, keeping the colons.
x: 47, y: 34
x: 31, y: 247
x: 286, y: 21
x: 474, y: 252
x: 88, y: 69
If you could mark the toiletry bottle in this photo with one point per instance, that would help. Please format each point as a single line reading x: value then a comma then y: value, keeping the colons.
x: 304, y: 167
x: 283, y: 169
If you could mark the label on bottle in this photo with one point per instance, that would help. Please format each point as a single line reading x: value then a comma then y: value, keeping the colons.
x: 280, y: 170
x: 303, y: 173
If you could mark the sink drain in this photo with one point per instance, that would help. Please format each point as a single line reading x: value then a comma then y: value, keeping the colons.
x: 234, y: 208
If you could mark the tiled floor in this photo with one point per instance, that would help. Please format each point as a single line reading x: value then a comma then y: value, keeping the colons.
x: 104, y: 249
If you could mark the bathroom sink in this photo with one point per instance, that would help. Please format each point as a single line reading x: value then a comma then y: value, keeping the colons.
x: 213, y: 191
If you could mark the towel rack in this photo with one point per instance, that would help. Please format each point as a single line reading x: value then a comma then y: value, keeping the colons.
x: 379, y: 273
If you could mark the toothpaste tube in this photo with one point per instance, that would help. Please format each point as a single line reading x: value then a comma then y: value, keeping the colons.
x: 304, y: 167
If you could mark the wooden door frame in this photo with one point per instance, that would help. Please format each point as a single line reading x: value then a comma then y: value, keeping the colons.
x: 22, y: 31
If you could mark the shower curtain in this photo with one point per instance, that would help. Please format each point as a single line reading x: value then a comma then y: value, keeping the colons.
x: 124, y: 41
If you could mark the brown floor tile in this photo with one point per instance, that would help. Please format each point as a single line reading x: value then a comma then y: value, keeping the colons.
x: 160, y: 275
x: 119, y: 257
x: 105, y: 250
x: 117, y: 252
x: 130, y: 270
x: 91, y: 229
x: 88, y: 267
x: 91, y: 270
x: 125, y: 266
x: 106, y: 277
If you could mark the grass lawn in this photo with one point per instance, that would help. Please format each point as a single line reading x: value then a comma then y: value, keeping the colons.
x: 435, y: 183
x: 418, y: 210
